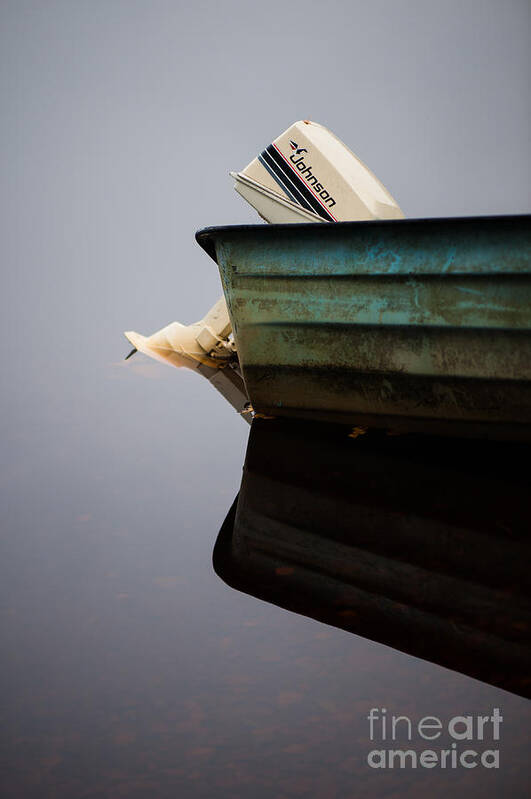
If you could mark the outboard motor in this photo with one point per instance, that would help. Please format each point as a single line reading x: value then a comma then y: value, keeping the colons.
x: 308, y: 175
x: 305, y: 175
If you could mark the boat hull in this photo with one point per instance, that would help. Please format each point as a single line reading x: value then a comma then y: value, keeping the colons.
x: 421, y: 325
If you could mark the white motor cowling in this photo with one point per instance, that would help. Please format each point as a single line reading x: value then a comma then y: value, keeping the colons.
x: 308, y: 175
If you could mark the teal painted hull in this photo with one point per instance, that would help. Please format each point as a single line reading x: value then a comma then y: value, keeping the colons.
x: 408, y: 324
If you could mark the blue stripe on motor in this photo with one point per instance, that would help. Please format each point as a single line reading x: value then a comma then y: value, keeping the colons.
x: 284, y: 177
x: 277, y: 179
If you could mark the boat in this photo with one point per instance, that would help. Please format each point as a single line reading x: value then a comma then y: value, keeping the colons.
x: 420, y: 543
x: 414, y: 325
x: 411, y: 325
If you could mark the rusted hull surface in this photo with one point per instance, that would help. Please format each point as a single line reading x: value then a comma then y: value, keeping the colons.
x: 411, y: 324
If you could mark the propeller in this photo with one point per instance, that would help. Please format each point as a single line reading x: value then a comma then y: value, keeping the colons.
x: 131, y: 353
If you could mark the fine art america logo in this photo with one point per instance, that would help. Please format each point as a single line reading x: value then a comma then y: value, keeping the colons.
x: 469, y: 735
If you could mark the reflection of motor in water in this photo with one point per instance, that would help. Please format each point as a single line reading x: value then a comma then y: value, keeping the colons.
x: 205, y: 346
x: 416, y: 542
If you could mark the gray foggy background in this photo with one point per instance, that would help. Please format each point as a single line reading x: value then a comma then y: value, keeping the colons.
x: 120, y: 121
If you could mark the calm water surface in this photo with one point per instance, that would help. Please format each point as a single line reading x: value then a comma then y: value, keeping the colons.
x: 130, y: 669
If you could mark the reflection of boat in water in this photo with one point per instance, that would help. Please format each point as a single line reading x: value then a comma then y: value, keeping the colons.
x: 415, y: 542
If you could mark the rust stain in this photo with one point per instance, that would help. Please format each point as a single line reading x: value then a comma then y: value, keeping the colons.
x: 357, y: 431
